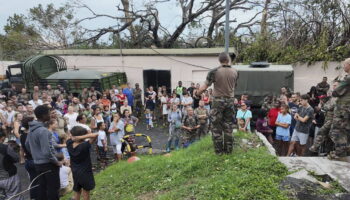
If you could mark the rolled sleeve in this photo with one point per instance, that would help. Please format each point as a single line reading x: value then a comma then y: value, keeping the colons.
x: 210, y: 77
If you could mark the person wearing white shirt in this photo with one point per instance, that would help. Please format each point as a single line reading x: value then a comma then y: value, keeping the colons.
x: 71, y: 117
x: 35, y: 101
x: 186, y: 101
x: 175, y: 100
x: 81, y: 121
x: 66, y: 177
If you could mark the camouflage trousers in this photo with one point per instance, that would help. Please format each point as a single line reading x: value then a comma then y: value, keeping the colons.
x: 322, y: 134
x: 202, y: 130
x: 340, y: 130
x: 188, y: 137
x: 138, y: 108
x: 221, y: 115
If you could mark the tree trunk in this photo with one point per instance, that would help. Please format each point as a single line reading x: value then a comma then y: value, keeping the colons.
x: 263, y: 27
x: 126, y: 6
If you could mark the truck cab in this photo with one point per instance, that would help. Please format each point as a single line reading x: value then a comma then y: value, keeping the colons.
x: 14, y: 75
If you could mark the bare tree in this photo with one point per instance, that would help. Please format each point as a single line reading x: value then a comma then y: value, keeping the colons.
x: 128, y: 18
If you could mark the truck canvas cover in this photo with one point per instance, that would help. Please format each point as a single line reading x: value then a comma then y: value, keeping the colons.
x: 260, y: 82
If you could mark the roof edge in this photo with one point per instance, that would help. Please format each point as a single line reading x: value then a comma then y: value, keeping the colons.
x: 137, y: 52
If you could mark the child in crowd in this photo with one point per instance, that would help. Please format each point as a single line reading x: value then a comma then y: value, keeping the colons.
x: 10, y: 115
x: 55, y: 137
x: 241, y: 124
x: 64, y: 150
x: 107, y: 115
x: 102, y: 143
x: 164, y: 104
x: 149, y: 119
x: 150, y: 104
x: 283, y: 122
x: 66, y: 177
x: 263, y: 127
x: 79, y: 152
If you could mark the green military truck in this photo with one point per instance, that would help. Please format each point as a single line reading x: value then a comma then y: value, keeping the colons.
x: 50, y: 69
x: 260, y: 79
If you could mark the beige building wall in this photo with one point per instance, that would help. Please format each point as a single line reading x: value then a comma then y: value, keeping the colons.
x: 304, y: 76
x: 133, y: 66
x: 307, y: 76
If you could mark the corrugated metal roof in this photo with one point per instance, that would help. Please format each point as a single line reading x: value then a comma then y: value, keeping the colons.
x: 79, y: 74
x: 140, y: 52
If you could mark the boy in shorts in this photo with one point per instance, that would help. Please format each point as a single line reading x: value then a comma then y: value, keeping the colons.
x: 79, y: 152
x: 303, y: 119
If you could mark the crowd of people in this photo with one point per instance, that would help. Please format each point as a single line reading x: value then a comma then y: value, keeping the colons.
x: 293, y: 122
x: 55, y: 131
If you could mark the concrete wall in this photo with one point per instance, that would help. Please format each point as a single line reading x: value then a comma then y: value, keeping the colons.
x: 307, y: 76
x: 304, y: 76
x: 133, y: 66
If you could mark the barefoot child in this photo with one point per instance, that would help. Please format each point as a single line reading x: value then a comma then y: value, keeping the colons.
x: 79, y: 152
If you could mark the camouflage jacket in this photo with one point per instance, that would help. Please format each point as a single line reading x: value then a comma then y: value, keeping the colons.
x: 201, y: 111
x: 328, y: 108
x: 137, y: 94
x: 343, y: 91
x: 190, y: 121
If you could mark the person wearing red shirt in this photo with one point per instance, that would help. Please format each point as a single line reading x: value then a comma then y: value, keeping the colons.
x: 121, y: 98
x: 272, y: 115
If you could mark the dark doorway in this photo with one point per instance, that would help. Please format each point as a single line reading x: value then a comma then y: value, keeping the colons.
x: 157, y: 78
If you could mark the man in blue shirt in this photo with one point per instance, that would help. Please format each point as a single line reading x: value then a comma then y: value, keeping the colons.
x: 129, y: 95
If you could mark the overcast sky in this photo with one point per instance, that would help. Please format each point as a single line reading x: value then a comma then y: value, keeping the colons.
x: 170, y: 15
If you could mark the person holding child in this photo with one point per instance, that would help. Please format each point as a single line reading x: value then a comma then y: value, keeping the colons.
x: 243, y: 118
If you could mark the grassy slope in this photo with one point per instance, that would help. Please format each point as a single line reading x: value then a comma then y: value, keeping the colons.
x: 195, y: 173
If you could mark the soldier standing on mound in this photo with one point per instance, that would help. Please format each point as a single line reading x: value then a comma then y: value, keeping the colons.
x: 224, y: 78
x: 340, y: 129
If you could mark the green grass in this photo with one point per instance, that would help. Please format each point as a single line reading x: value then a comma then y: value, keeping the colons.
x: 196, y: 173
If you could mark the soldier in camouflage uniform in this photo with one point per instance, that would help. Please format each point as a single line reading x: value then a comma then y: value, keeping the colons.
x: 203, y: 115
x: 340, y: 128
x: 224, y: 78
x: 190, y: 124
x: 137, y: 92
x: 323, y: 133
